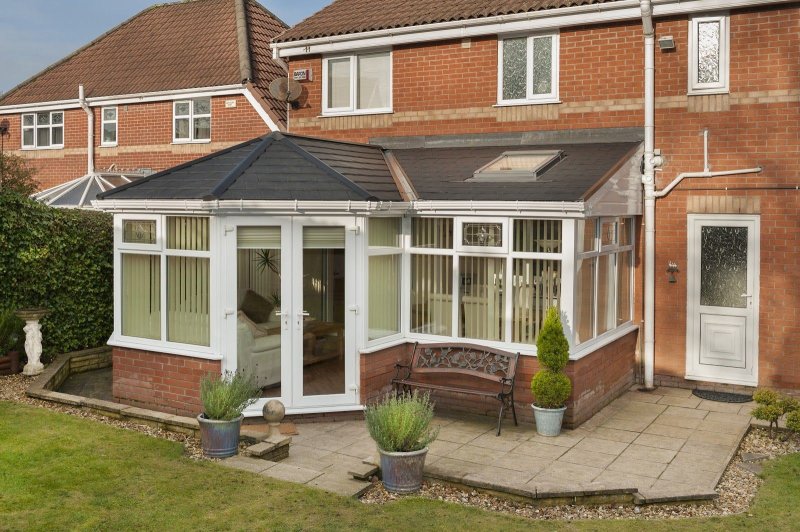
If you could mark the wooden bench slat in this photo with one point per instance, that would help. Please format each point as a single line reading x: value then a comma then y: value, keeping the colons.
x: 440, y: 387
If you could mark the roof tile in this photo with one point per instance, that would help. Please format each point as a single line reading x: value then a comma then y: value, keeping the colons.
x: 355, y: 16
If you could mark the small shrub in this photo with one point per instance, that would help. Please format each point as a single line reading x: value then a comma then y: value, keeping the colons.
x: 550, y: 389
x: 788, y: 404
x: 793, y: 421
x: 225, y: 397
x: 401, y: 423
x: 768, y: 412
x: 552, y: 348
x: 764, y: 396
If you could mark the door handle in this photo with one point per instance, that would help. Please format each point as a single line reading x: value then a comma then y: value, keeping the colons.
x: 747, y: 295
x: 300, y: 316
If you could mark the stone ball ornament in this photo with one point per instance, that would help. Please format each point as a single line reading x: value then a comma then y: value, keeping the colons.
x: 274, y: 412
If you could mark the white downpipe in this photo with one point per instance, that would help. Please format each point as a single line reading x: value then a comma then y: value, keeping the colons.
x: 89, y: 129
x: 648, y: 180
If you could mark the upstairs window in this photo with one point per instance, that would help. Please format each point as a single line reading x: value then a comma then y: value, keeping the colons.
x: 109, y: 126
x: 708, y: 54
x: 528, y: 69
x: 43, y: 130
x: 192, y: 120
x: 359, y: 83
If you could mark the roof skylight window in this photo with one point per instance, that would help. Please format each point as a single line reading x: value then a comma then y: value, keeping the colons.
x: 518, y: 166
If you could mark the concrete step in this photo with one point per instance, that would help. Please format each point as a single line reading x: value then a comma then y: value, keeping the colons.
x: 274, y: 448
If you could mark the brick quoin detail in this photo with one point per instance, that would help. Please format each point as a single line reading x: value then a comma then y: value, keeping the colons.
x: 167, y: 383
x: 597, y: 379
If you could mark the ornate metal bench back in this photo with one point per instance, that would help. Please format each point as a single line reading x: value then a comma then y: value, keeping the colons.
x: 468, y: 359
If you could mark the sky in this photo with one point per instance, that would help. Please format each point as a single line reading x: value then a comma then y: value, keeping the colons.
x: 36, y: 33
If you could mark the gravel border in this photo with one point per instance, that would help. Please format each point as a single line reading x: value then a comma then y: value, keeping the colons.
x: 736, y: 489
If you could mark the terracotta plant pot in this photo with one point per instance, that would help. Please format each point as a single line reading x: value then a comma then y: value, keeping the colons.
x: 9, y: 364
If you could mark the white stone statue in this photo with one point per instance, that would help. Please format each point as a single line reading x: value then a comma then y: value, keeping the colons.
x: 33, y: 340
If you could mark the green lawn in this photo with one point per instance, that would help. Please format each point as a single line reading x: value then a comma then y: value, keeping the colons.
x: 61, y: 472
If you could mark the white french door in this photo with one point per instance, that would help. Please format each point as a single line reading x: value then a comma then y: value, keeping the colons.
x: 289, y: 309
x: 722, y: 299
x: 324, y: 312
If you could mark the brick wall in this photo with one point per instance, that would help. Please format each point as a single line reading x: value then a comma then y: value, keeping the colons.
x: 144, y: 138
x: 451, y: 88
x: 597, y: 379
x: 168, y: 383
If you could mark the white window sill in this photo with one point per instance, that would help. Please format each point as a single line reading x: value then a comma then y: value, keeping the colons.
x: 156, y: 346
x: 527, y: 102
x: 34, y: 148
x: 207, y: 141
x: 383, y: 343
x: 706, y: 92
x: 109, y: 145
x: 357, y: 113
x: 590, y: 346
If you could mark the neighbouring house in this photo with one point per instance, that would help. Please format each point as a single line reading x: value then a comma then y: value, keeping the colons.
x: 175, y: 82
x: 453, y: 170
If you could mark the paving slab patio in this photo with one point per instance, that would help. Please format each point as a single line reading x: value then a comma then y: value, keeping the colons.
x: 663, y: 444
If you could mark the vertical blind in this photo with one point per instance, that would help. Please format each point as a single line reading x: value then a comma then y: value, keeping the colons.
x: 141, y: 296
x: 481, y: 297
x: 432, y: 294
x: 432, y: 233
x: 384, y: 232
x: 188, y: 300
x: 537, y: 287
x: 537, y: 236
x: 187, y: 233
x: 384, y: 295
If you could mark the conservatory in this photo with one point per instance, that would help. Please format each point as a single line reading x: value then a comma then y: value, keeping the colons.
x: 314, y: 264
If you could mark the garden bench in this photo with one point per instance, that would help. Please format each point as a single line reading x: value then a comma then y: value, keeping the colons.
x: 493, y: 365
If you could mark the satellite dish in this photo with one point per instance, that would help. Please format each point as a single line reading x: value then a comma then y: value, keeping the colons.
x: 285, y: 90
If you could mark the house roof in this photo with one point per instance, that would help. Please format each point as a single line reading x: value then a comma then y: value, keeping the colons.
x: 277, y: 166
x: 172, y: 46
x: 356, y: 16
x: 443, y: 173
x: 282, y: 166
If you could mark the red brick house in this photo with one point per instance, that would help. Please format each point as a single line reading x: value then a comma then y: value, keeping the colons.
x: 483, y: 163
x: 161, y: 88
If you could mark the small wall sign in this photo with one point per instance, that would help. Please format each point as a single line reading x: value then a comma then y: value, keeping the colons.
x: 302, y: 74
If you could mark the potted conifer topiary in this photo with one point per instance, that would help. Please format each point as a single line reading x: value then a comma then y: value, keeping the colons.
x: 400, y: 426
x: 224, y: 397
x: 550, y: 386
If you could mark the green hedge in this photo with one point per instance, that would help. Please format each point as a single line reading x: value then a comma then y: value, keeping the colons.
x: 61, y: 259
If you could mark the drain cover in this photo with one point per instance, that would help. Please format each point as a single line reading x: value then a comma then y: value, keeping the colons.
x: 723, y: 397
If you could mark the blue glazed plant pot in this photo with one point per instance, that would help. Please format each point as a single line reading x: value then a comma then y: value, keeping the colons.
x: 219, y: 439
x: 548, y: 420
x: 402, y: 472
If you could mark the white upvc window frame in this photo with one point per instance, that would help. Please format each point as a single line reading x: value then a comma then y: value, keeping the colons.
x: 35, y: 128
x: 352, y: 109
x: 458, y: 236
x: 530, y: 98
x: 617, y: 250
x: 565, y: 256
x: 192, y: 116
x: 376, y: 251
x: 723, y: 85
x: 160, y: 249
x: 103, y: 123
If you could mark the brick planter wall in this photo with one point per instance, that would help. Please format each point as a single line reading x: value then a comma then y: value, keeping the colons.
x: 597, y: 379
x: 167, y: 383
